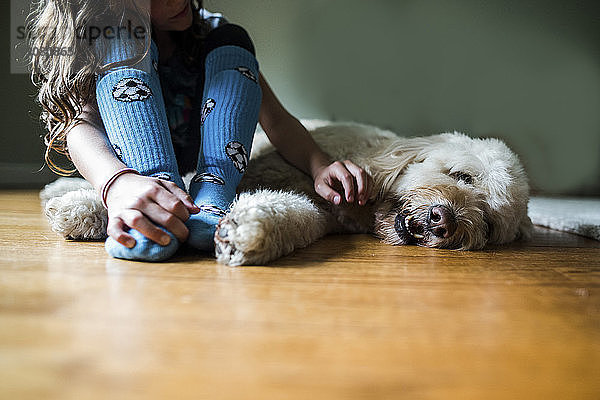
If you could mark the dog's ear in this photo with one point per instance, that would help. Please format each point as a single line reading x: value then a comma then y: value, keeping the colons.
x: 393, y: 158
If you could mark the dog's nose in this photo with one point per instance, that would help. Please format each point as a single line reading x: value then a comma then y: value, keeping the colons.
x: 441, y: 221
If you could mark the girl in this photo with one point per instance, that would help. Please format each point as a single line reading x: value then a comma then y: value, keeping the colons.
x: 133, y: 111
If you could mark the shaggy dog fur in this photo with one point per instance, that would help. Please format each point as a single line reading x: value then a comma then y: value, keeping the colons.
x: 446, y: 191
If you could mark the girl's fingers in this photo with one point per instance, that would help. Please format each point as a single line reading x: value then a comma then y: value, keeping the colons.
x: 162, y: 195
x: 356, y: 182
x: 181, y: 194
x: 340, y: 172
x: 138, y: 221
x: 157, y: 202
x: 360, y: 177
x: 167, y: 220
x: 325, y: 191
x: 363, y: 181
x: 116, y: 230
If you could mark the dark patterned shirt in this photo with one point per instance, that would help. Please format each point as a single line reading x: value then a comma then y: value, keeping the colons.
x: 181, y: 92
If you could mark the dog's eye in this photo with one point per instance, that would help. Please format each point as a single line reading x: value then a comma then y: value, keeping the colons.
x: 462, y: 176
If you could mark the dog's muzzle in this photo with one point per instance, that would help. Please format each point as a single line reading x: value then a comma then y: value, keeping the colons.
x: 439, y: 221
x: 401, y: 228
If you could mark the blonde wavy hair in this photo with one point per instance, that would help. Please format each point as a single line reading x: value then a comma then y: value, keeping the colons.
x: 65, y: 73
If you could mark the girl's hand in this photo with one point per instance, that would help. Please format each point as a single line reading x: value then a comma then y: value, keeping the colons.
x: 142, y: 202
x: 355, y: 181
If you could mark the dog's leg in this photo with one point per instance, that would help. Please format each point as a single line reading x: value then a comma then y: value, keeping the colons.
x: 265, y: 225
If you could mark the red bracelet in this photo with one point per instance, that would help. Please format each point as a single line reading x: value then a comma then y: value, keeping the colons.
x: 111, y: 180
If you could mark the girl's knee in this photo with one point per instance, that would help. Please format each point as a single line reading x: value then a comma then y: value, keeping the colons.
x: 229, y: 35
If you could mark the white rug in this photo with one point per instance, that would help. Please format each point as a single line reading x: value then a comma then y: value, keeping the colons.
x: 576, y: 215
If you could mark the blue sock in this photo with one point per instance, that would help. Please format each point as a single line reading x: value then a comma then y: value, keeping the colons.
x: 133, y: 112
x: 232, y: 98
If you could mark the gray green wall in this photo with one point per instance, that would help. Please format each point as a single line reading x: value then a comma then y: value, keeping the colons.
x: 525, y: 71
x: 21, y: 149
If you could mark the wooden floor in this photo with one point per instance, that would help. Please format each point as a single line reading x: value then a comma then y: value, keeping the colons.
x: 348, y: 318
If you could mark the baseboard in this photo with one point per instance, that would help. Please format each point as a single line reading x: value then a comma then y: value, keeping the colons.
x: 24, y: 175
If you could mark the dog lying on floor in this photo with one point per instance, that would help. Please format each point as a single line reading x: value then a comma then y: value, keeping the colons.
x: 444, y: 191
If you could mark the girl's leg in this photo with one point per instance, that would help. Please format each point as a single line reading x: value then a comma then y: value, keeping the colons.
x: 231, y: 103
x: 133, y: 112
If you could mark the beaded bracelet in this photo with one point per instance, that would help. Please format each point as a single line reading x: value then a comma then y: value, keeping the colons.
x: 111, y: 180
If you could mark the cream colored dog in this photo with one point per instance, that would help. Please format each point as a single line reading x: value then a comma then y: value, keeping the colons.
x: 447, y: 191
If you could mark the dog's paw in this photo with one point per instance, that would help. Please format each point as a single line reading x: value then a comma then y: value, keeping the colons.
x: 77, y: 214
x: 225, y: 249
x: 251, y: 232
x: 244, y: 238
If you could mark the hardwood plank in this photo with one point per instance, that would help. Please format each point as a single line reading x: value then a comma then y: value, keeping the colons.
x: 347, y: 318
